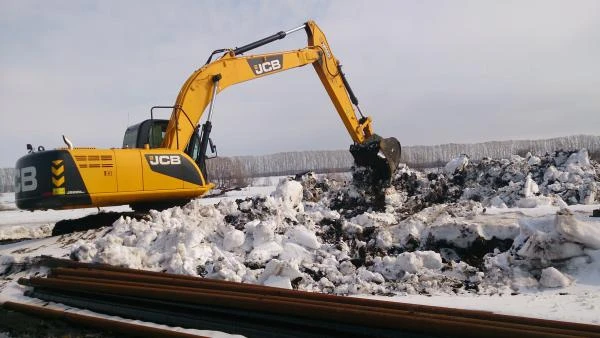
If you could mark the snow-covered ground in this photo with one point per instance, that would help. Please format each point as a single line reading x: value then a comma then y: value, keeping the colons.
x: 16, y: 224
x: 513, y: 236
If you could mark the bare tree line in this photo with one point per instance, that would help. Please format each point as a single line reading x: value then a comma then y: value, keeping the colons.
x: 7, y: 179
x: 499, y: 149
x: 239, y: 171
x: 415, y: 156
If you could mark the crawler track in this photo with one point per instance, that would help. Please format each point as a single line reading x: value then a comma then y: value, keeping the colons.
x: 258, y: 311
x: 92, y: 221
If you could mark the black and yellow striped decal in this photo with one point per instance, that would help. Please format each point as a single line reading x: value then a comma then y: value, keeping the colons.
x: 58, y: 177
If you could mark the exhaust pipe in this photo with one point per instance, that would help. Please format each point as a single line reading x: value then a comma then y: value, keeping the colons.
x: 67, y: 142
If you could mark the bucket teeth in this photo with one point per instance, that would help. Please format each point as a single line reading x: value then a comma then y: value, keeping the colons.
x: 381, y: 155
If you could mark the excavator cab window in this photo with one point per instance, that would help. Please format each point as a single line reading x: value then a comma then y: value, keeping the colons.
x: 149, y: 132
x: 193, y: 148
x: 157, y: 133
x: 198, y: 146
x: 130, y: 138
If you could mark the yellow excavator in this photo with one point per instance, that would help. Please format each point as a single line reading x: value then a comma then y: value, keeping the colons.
x: 163, y: 162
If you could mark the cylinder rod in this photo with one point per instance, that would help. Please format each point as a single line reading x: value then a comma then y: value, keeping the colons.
x: 264, y: 41
x: 295, y: 29
x: 216, y: 79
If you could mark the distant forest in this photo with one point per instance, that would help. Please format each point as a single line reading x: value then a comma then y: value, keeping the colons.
x: 240, y: 170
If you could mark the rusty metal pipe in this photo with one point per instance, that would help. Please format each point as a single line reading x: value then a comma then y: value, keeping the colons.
x: 367, y: 302
x: 215, y: 285
x: 276, y: 296
x: 391, y: 319
x: 96, y: 322
x: 169, y: 280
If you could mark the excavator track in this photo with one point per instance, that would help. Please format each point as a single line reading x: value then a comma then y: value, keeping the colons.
x: 94, y: 221
x: 102, y: 219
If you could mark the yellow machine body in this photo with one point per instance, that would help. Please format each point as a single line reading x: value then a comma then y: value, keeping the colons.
x: 126, y: 176
x: 88, y: 177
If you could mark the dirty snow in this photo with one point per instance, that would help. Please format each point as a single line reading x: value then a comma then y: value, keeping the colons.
x: 509, y: 230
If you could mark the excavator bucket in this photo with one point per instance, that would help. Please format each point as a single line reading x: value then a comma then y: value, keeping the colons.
x: 381, y: 155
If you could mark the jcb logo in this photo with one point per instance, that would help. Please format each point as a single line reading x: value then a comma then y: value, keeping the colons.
x: 164, y: 159
x: 25, y: 179
x: 266, y: 67
x: 267, y: 64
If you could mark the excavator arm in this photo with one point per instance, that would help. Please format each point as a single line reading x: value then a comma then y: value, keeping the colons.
x: 201, y: 87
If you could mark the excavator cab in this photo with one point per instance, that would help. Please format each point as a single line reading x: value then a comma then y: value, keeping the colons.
x: 151, y: 132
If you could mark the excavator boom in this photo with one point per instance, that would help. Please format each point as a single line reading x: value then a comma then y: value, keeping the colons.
x: 369, y: 150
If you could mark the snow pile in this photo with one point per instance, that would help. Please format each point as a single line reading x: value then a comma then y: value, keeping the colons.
x: 550, y: 248
x: 427, y: 233
x: 552, y: 278
x: 456, y: 164
x: 561, y: 178
x: 15, y: 232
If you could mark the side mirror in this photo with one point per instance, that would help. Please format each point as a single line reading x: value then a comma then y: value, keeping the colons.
x: 213, y: 148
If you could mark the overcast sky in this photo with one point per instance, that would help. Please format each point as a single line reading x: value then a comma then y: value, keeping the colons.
x: 428, y: 72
